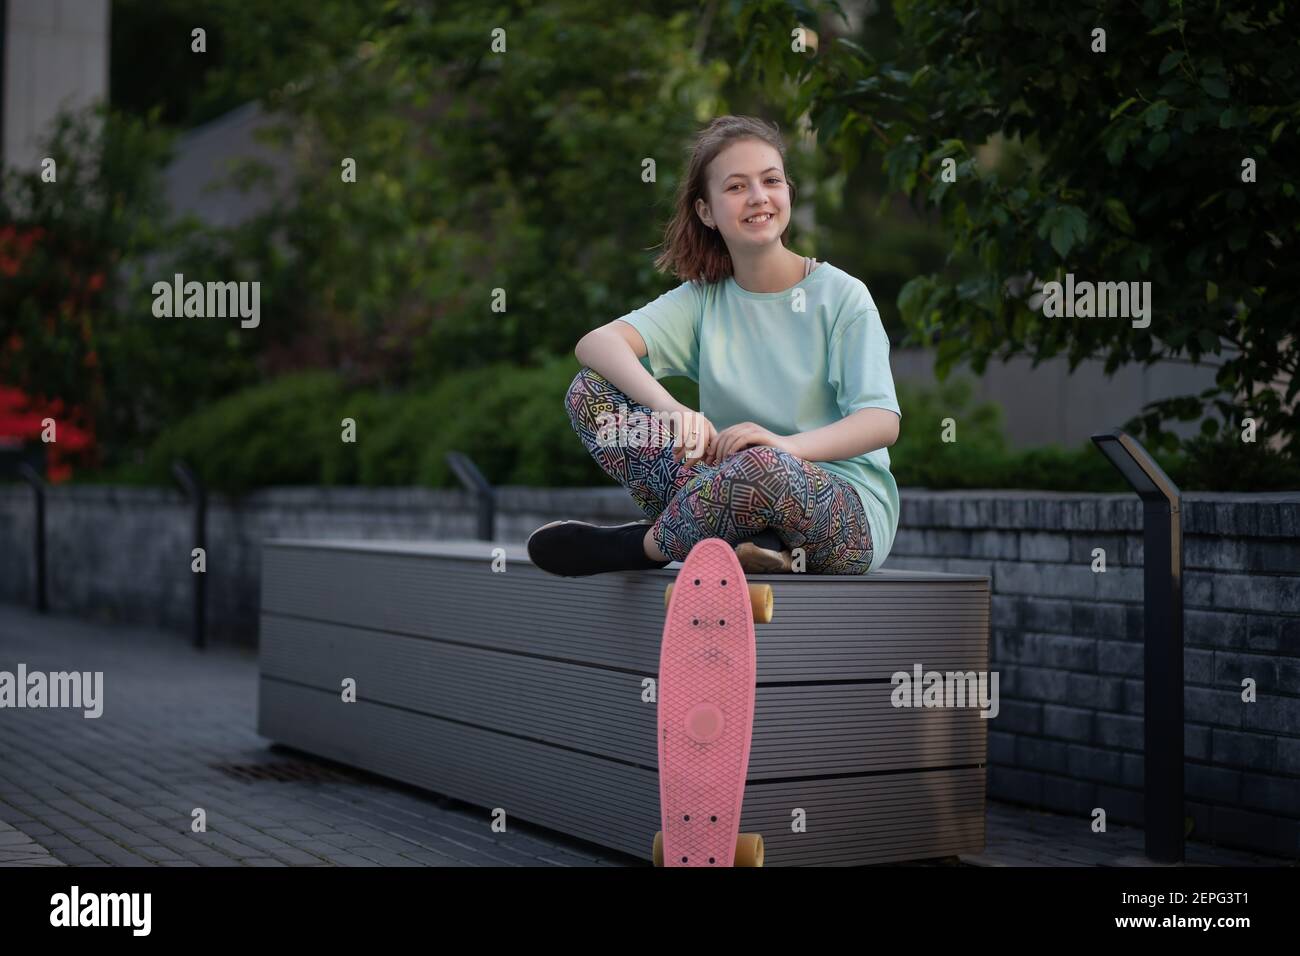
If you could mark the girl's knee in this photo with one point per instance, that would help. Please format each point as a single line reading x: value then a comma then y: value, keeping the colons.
x: 761, y: 460
x: 582, y: 382
x: 588, y: 394
x: 767, y: 474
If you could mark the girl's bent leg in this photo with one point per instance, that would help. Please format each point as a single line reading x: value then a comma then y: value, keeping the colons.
x: 763, y: 487
x: 627, y: 439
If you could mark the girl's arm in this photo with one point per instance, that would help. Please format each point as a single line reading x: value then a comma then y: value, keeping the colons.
x: 865, y: 430
x: 614, y: 350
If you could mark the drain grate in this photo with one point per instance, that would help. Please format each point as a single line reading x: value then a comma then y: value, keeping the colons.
x: 285, y: 771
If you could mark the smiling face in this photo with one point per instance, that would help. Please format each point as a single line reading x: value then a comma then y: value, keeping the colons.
x: 744, y: 180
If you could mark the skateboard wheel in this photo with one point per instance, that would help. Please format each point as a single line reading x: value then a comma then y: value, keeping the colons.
x: 760, y: 601
x: 749, y: 849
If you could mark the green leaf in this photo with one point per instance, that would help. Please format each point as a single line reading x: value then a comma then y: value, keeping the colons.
x: 1067, y: 226
x: 912, y: 297
x: 1159, y: 143
x: 1116, y: 146
x: 1211, y: 291
x: 1215, y: 87
x: 1118, y: 216
x: 1230, y: 117
x: 1123, y: 106
x: 853, y: 48
x: 1214, y: 67
x: 1277, y: 131
x: 1156, y: 114
x: 1171, y: 60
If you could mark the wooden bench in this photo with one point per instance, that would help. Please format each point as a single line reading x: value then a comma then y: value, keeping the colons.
x: 527, y: 692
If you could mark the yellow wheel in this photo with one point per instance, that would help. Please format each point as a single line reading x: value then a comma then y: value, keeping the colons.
x: 749, y: 849
x: 760, y: 601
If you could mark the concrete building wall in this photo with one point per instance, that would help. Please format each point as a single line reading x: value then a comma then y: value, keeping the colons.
x: 1048, y: 405
x: 55, y: 56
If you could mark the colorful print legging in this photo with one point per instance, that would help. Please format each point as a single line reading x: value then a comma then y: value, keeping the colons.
x: 755, y: 488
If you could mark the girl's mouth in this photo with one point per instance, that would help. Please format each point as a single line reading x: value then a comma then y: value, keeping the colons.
x: 759, y: 219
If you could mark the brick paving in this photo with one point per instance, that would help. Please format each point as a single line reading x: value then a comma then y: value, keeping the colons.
x: 177, y: 733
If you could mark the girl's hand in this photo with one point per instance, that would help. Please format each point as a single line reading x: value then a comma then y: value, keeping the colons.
x: 743, y: 435
x: 695, y: 437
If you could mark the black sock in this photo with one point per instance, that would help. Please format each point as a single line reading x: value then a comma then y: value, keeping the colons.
x: 578, y: 548
x: 631, y: 550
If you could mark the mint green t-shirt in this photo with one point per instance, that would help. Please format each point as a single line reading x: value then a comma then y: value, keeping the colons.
x: 789, y: 361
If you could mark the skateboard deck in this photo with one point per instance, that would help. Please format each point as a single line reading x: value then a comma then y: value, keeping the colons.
x: 706, y: 707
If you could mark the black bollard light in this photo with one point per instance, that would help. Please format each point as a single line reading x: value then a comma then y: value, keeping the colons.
x: 473, y: 480
x: 1162, y: 676
x: 198, y: 496
x: 33, y: 478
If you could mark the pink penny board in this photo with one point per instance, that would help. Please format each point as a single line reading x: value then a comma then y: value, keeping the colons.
x: 706, y: 707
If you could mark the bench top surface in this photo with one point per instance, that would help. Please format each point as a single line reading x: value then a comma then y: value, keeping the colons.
x: 481, y: 550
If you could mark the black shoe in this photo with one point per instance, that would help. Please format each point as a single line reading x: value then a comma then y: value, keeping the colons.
x: 576, y: 548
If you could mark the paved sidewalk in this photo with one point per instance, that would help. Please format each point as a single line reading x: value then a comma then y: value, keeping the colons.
x: 177, y: 733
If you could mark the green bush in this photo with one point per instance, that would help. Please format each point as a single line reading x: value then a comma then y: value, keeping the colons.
x: 512, y: 422
x: 509, y: 420
x: 340, y: 462
x: 273, y: 434
x: 1224, y: 462
x: 922, y: 458
x: 978, y: 457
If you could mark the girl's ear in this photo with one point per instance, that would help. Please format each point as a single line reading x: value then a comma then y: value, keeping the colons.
x: 702, y: 211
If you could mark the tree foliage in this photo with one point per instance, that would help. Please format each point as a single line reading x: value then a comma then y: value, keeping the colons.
x: 1135, y: 173
x: 516, y: 169
x: 78, y: 256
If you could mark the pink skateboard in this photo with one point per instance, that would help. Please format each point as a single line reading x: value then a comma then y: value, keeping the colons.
x: 706, y: 710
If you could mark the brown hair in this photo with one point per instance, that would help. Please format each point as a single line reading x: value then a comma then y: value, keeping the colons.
x: 691, y: 249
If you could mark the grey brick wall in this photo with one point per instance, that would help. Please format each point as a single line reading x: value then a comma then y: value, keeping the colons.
x: 118, y: 553
x: 1067, y: 642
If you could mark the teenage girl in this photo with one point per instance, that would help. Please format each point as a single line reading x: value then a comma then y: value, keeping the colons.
x: 797, y: 403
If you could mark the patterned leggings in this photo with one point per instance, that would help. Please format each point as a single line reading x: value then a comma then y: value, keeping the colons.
x: 755, y: 488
